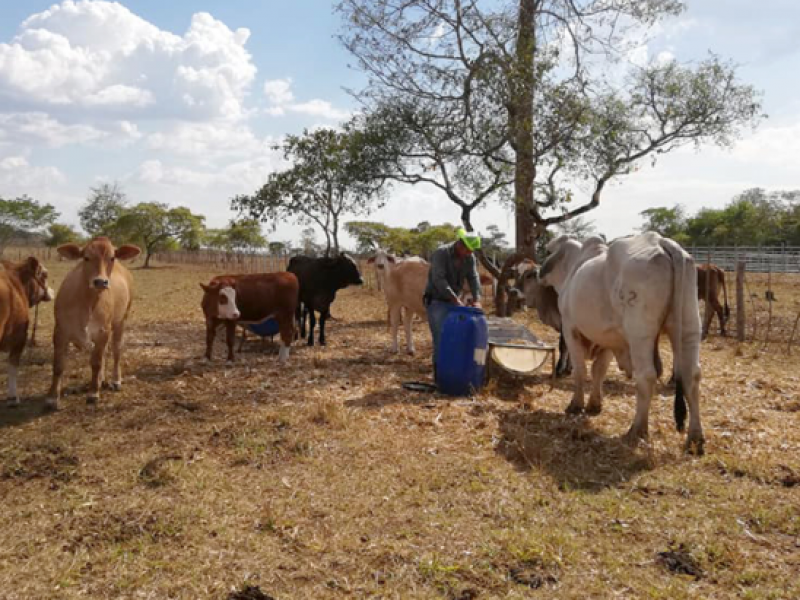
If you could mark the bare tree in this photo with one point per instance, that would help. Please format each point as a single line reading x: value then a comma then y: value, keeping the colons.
x: 526, y: 99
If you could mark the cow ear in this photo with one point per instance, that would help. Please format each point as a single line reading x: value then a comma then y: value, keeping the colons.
x: 70, y: 251
x: 391, y: 259
x: 127, y: 252
x: 371, y: 260
x: 208, y: 287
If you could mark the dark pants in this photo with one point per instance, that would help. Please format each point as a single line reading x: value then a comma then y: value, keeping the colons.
x: 437, y: 313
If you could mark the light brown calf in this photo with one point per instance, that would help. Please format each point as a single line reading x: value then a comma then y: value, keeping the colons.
x: 404, y: 288
x: 91, y: 307
x: 22, y: 286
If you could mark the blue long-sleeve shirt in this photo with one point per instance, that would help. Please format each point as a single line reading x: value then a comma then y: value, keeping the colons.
x: 447, y: 274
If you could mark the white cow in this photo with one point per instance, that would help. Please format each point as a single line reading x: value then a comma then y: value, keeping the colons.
x: 403, y: 281
x: 617, y: 299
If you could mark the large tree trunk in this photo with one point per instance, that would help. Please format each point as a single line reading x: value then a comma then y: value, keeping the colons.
x: 148, y: 256
x: 522, y: 85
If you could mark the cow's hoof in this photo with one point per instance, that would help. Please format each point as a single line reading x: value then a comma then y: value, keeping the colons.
x: 411, y: 352
x: 633, y: 437
x: 323, y: 343
x: 594, y: 409
x: 92, y: 400
x: 695, y: 447
x: 50, y: 405
x: 574, y: 408
x: 12, y: 402
x: 115, y: 386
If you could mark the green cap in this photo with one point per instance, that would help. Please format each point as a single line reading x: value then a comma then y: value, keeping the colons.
x: 471, y: 240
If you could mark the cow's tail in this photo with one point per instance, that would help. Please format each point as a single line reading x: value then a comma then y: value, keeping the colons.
x: 681, y: 274
x: 726, y: 308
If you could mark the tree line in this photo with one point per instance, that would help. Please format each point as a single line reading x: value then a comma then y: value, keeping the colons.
x: 755, y: 217
x: 107, y: 211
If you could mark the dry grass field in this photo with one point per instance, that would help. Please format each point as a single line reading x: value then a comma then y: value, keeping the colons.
x: 325, y: 479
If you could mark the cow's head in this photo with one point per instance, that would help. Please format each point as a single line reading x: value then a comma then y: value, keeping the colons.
x: 562, y: 254
x: 344, y: 269
x: 33, y: 277
x: 382, y: 260
x: 97, y: 260
x: 219, y: 300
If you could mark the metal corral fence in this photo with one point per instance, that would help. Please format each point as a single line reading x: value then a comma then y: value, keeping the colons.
x: 759, y: 259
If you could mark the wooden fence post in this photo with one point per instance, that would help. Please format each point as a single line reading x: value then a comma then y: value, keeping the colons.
x: 707, y: 314
x: 740, y: 310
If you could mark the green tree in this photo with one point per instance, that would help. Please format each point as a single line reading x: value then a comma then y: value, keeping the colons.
x: 369, y: 236
x: 243, y: 235
x: 157, y: 227
x: 669, y: 222
x: 579, y: 228
x: 279, y: 248
x: 23, y: 217
x: 495, y: 243
x: 104, y: 206
x: 61, y: 234
x: 334, y: 173
x: 308, y: 242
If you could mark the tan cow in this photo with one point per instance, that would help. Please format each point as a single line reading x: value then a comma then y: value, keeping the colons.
x: 91, y: 307
x: 384, y: 263
x: 22, y: 286
x: 404, y: 288
x: 616, y: 299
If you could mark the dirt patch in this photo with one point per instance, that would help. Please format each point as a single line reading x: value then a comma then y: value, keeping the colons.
x: 532, y: 575
x: 249, y: 592
x: 46, y: 461
x: 680, y: 561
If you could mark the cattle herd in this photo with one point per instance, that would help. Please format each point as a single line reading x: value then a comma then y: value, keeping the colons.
x: 606, y: 301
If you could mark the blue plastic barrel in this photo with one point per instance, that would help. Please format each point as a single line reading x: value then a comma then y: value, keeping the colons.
x: 265, y: 328
x: 463, y: 350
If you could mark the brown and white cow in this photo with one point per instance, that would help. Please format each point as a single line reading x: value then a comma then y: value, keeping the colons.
x: 91, y: 307
x: 22, y: 286
x: 232, y: 300
x: 710, y: 278
x: 617, y: 298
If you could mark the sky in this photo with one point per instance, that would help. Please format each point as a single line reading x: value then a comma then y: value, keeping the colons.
x: 182, y: 102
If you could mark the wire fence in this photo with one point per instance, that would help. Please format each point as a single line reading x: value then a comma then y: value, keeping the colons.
x: 758, y: 259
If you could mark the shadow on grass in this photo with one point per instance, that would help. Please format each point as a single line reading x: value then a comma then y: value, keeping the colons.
x: 398, y: 395
x: 569, y: 449
x: 30, y: 409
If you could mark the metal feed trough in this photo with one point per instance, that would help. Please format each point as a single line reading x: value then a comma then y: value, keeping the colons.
x: 516, y: 349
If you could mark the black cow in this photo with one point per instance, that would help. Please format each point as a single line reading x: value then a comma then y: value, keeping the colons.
x: 320, y: 279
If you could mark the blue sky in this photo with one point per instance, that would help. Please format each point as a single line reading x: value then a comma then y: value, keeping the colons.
x: 180, y: 102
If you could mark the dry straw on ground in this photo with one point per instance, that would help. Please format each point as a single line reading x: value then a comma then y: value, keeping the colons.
x: 326, y: 479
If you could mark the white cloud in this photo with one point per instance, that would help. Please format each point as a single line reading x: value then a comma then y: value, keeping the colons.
x: 209, y: 140
x: 280, y: 99
x: 35, y: 128
x: 320, y: 108
x: 279, y: 91
x: 777, y: 146
x: 99, y: 56
x: 18, y: 176
x: 238, y: 177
